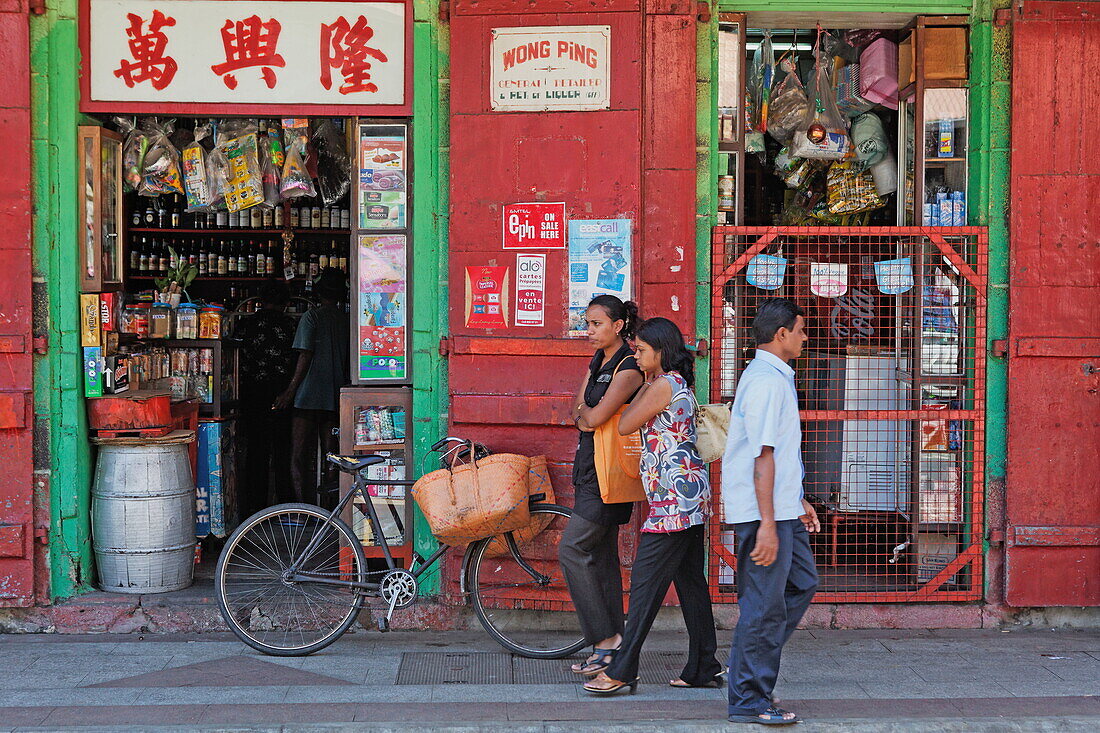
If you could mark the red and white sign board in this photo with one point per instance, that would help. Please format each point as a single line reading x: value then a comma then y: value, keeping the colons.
x: 530, y: 290
x: 534, y: 226
x: 551, y: 68
x: 243, y: 52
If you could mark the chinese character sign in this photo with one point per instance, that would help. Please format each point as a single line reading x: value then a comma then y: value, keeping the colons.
x: 216, y: 51
x: 534, y: 226
x: 551, y: 68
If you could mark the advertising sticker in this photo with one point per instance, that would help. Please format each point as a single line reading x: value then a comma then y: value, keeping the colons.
x: 382, y: 177
x: 828, y: 279
x: 599, y: 263
x: 534, y: 226
x: 530, y: 290
x: 486, y: 296
x: 380, y: 307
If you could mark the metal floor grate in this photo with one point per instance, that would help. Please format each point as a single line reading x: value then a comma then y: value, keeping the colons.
x: 493, y: 668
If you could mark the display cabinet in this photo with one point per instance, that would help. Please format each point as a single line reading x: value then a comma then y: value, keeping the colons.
x: 731, y: 118
x: 100, y: 205
x: 379, y: 421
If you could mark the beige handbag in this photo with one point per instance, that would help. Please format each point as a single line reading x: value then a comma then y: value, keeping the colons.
x: 712, y: 423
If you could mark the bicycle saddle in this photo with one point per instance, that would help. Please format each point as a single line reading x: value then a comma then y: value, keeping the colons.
x: 353, y: 463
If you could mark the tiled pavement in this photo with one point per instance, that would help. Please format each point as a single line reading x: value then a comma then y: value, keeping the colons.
x: 870, y: 680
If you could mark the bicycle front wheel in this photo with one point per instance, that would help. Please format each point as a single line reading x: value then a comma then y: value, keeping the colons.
x: 264, y: 606
x: 519, y: 591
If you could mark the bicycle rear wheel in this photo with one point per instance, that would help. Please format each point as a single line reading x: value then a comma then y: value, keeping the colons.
x: 277, y: 615
x: 519, y: 591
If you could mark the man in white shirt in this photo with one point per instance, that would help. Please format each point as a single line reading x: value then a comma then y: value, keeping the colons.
x: 762, y: 497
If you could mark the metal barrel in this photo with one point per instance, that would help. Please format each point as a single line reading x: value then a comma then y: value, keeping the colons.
x: 143, y: 518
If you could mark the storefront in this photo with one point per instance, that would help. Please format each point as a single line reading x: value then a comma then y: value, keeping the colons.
x: 631, y: 168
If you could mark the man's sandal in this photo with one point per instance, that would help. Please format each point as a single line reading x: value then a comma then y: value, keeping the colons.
x: 771, y: 716
x: 597, y: 662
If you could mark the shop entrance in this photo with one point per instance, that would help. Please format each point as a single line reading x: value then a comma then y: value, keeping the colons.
x: 843, y: 172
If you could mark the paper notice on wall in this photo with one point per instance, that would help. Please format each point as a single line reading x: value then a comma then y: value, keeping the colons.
x: 599, y: 263
x: 486, y: 296
x: 828, y: 279
x: 530, y: 290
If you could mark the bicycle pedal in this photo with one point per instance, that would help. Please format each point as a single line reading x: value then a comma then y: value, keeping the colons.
x: 383, y: 624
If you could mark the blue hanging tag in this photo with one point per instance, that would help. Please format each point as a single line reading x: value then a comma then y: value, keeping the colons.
x: 766, y: 272
x: 894, y: 276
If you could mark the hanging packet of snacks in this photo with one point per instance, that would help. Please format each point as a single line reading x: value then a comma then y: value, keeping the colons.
x: 271, y: 162
x: 246, y: 186
x: 160, y: 171
x: 789, y: 105
x: 869, y: 139
x: 333, y: 163
x: 196, y: 172
x: 851, y: 189
x: 758, y: 90
x: 133, y: 152
x: 296, y: 179
x: 217, y: 166
x: 823, y: 134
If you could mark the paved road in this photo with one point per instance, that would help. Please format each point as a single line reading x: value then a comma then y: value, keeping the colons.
x: 965, y: 680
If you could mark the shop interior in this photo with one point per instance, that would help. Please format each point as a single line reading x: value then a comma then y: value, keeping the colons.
x: 849, y: 121
x: 207, y: 241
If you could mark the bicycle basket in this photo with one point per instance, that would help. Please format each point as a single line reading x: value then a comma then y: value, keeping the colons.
x: 538, y: 484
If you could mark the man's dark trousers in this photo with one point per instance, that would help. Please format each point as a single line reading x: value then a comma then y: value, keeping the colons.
x: 772, y: 601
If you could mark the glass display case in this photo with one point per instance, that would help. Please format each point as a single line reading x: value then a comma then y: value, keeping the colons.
x: 100, y: 196
x: 379, y: 421
x: 731, y: 122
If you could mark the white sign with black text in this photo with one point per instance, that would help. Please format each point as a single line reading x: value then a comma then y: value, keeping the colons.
x: 551, y: 68
x: 530, y: 290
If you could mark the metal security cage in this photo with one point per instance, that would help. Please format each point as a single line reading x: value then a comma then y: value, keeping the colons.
x: 891, y: 390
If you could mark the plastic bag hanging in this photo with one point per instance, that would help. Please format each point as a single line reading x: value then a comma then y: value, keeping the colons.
x: 196, y: 173
x: 758, y: 89
x: 823, y: 134
x: 333, y: 164
x: 788, y: 108
x: 160, y: 170
x: 296, y: 181
x: 133, y: 152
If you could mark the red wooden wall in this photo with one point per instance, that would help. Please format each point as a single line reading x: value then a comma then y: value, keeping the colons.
x: 16, y: 510
x: 1053, y: 482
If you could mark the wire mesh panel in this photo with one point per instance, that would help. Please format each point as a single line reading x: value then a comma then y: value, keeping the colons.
x: 891, y: 388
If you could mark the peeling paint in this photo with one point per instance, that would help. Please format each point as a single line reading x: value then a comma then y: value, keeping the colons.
x: 675, y: 305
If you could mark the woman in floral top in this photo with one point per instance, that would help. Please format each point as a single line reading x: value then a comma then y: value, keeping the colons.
x: 672, y: 549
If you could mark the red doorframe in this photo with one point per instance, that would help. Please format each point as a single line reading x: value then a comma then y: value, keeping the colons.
x: 1053, y: 482
x: 16, y: 397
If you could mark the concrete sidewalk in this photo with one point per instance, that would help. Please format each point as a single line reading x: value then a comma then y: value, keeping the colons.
x: 880, y: 680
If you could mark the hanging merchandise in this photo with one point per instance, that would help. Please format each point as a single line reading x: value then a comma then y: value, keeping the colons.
x: 878, y: 77
x: 851, y: 189
x: 133, y: 152
x: 885, y: 174
x: 160, y: 171
x: 196, y: 176
x: 333, y: 163
x: 796, y: 173
x: 757, y: 94
x: 828, y: 279
x: 766, y: 272
x: 246, y: 186
x: 217, y: 167
x: 823, y: 134
x: 848, y: 100
x: 894, y: 276
x: 271, y: 162
x: 869, y: 139
x: 789, y: 106
x: 296, y: 182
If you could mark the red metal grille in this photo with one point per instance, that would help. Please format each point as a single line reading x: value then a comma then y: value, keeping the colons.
x: 892, y: 396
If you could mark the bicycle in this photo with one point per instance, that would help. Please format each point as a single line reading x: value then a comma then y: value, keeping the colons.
x: 293, y: 578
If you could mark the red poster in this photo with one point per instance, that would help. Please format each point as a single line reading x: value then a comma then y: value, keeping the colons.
x: 486, y: 297
x: 534, y: 226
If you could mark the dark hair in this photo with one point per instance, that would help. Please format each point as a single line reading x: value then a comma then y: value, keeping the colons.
x: 663, y: 335
x: 619, y: 311
x: 274, y: 292
x: 331, y: 283
x: 773, y: 314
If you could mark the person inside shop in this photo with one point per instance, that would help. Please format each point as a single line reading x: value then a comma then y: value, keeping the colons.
x: 589, y: 547
x: 762, y: 497
x: 321, y: 370
x: 672, y: 549
x: 266, y: 366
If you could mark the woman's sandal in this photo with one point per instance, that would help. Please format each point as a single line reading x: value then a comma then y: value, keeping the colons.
x: 597, y: 662
x: 719, y: 680
x: 611, y: 688
x: 771, y: 716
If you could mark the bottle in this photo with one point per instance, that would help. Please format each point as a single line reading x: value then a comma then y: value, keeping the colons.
x: 204, y: 255
x: 260, y: 264
x: 250, y: 264
x: 162, y: 213
x: 211, y: 220
x: 212, y: 259
x: 223, y: 260
x: 314, y: 264
x: 135, y: 220
x: 143, y: 256
x: 270, y: 262
x: 177, y: 212
x: 234, y: 219
x: 322, y: 260
x: 255, y: 217
x: 295, y: 218
x: 135, y: 256
x: 193, y: 253
x: 326, y: 218
x: 222, y: 219
x: 315, y: 217
x: 345, y: 218
x: 173, y: 255
x: 150, y: 215
x: 302, y: 261
x: 278, y: 216
x: 267, y: 218
x: 334, y: 217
